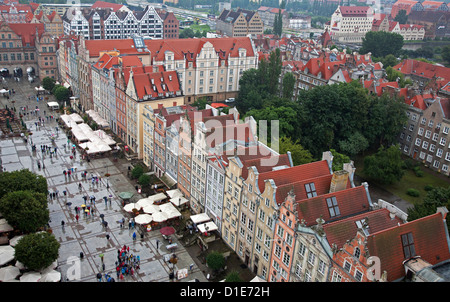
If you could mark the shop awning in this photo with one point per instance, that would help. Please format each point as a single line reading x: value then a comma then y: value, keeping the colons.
x: 199, y: 218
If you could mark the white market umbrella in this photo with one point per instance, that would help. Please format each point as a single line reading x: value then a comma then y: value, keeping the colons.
x: 52, y: 276
x: 15, y: 240
x: 151, y: 209
x: 6, y: 254
x: 129, y: 207
x: 144, y: 202
x: 143, y: 219
x: 159, y: 217
x: 49, y: 268
x: 9, y: 273
x: 30, y: 277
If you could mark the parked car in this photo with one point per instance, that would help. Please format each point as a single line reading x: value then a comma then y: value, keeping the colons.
x: 229, y: 100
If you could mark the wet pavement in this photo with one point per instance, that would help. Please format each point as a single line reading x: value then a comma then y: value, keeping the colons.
x: 86, y: 235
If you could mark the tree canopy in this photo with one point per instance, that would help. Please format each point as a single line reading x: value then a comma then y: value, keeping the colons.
x: 22, y: 180
x: 25, y: 210
x: 381, y: 43
x: 37, y: 251
x: 385, y: 166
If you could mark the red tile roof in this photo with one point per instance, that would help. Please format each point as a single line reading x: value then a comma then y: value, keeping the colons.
x: 27, y: 31
x: 144, y: 86
x: 293, y: 174
x: 338, y: 232
x: 430, y: 243
x: 349, y: 201
x: 402, y: 5
x: 355, y: 11
x: 422, y: 69
x: 321, y: 184
x: 102, y: 4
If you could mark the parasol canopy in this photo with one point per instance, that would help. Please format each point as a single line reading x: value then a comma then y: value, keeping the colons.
x: 150, y: 209
x: 126, y: 195
x: 143, y: 219
x: 52, y: 276
x: 6, y: 254
x: 167, y: 231
x: 160, y: 217
x: 9, y: 273
x: 30, y: 277
x: 129, y: 207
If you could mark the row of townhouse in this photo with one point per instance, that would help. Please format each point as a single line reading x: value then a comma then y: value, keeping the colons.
x: 309, y: 223
x: 117, y: 78
x: 107, y: 23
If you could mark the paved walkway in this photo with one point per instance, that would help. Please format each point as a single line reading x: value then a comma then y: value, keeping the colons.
x: 86, y: 235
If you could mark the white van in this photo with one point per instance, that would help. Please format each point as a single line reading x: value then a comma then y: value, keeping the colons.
x: 53, y: 105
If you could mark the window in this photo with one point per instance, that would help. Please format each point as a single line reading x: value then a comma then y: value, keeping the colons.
x: 418, y: 141
x: 333, y: 207
x: 310, y: 190
x: 443, y: 141
x: 347, y: 266
x: 408, y: 245
x: 358, y: 275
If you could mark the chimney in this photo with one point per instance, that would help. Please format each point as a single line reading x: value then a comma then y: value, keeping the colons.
x: 328, y: 156
x: 174, y: 104
x: 339, y: 181
x: 160, y: 106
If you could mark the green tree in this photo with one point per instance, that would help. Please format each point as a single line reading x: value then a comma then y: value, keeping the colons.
x: 387, y: 116
x: 48, y: 83
x: 200, y: 103
x: 61, y: 93
x: 354, y: 144
x: 144, y: 180
x: 401, y: 17
x: 137, y: 172
x: 436, y: 197
x: 287, y: 119
x: 339, y: 118
x: 215, y: 260
x: 37, y: 251
x: 25, y: 210
x: 389, y: 60
x: 233, y: 277
x: 445, y: 53
x: 299, y: 154
x: 22, y: 180
x: 339, y: 160
x: 381, y: 43
x: 385, y: 166
x: 186, y: 33
x: 394, y: 75
x: 288, y: 85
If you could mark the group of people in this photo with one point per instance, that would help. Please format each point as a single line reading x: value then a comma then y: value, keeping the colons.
x: 127, y: 264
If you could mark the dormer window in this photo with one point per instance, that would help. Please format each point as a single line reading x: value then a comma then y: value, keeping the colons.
x: 333, y: 207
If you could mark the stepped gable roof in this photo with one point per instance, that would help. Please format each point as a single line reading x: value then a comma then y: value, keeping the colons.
x: 430, y: 243
x: 349, y: 202
x: 293, y: 174
x: 321, y: 185
x: 27, y: 31
x: 339, y: 232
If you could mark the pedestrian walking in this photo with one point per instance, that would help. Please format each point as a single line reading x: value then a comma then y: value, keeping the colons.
x: 62, y: 224
x: 134, y: 236
x: 157, y: 243
x: 76, y: 217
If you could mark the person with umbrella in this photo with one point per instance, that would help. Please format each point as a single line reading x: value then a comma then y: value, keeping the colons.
x: 99, y: 277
